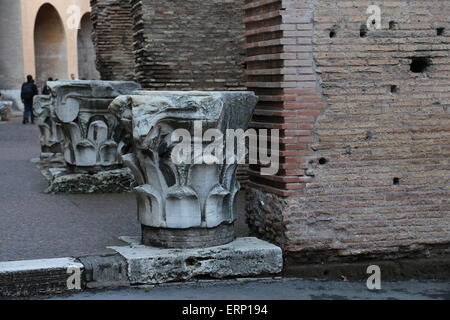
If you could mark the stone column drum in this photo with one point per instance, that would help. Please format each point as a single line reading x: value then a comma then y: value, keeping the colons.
x: 182, y: 205
x: 51, y: 133
x: 93, y: 138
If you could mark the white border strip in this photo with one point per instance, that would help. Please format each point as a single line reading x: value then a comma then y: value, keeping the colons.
x: 34, y: 265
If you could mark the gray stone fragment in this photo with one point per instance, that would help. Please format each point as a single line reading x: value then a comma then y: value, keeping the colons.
x: 48, y: 161
x: 14, y: 97
x: 111, y: 181
x: 5, y: 110
x: 244, y: 257
x: 105, y: 271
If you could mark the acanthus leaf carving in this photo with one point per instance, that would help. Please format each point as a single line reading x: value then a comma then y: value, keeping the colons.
x: 179, y: 201
x: 93, y: 138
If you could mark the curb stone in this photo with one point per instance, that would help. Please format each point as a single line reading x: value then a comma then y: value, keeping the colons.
x: 136, y: 264
x: 38, y: 277
x: 105, y: 272
x: 49, y: 276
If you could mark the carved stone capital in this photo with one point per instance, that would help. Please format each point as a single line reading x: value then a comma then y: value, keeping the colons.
x: 182, y: 204
x: 51, y: 134
x: 92, y: 136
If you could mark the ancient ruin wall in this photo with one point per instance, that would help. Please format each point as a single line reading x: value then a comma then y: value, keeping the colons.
x: 189, y: 44
x: 365, y: 125
x: 113, y: 39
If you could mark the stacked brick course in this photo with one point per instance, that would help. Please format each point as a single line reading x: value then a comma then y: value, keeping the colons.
x: 364, y: 138
x: 113, y: 39
x: 189, y: 44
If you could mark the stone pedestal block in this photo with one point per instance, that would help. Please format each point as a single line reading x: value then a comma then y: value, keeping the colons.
x: 189, y: 203
x: 244, y: 257
x: 93, y: 138
x: 106, y: 181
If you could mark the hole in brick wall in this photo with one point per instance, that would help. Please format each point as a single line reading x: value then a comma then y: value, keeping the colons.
x: 396, y: 181
x: 348, y: 150
x: 363, y: 31
x: 394, y: 89
x: 368, y: 136
x: 393, y: 25
x: 420, y: 64
x: 440, y: 31
x: 333, y: 31
x: 323, y: 161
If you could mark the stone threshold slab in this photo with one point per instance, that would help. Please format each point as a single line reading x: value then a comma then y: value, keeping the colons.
x: 244, y: 257
x: 36, y: 277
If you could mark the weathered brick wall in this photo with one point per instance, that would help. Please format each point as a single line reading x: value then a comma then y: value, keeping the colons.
x: 189, y: 44
x: 172, y: 45
x: 365, y: 141
x: 113, y: 39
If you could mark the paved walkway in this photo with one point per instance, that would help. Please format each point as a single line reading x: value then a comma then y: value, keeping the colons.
x: 284, y: 289
x: 34, y: 225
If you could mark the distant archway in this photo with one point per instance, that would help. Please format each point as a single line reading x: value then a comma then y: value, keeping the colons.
x: 86, y: 51
x: 50, y: 48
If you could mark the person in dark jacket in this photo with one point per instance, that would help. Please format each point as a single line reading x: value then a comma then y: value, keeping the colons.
x: 29, y: 90
x: 46, y: 90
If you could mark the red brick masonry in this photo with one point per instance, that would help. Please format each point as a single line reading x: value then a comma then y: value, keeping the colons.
x: 365, y: 140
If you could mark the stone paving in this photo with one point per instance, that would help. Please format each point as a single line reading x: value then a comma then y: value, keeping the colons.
x: 282, y: 289
x: 34, y: 225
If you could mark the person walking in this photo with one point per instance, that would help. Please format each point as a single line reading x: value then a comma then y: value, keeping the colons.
x: 29, y: 90
x: 46, y: 89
